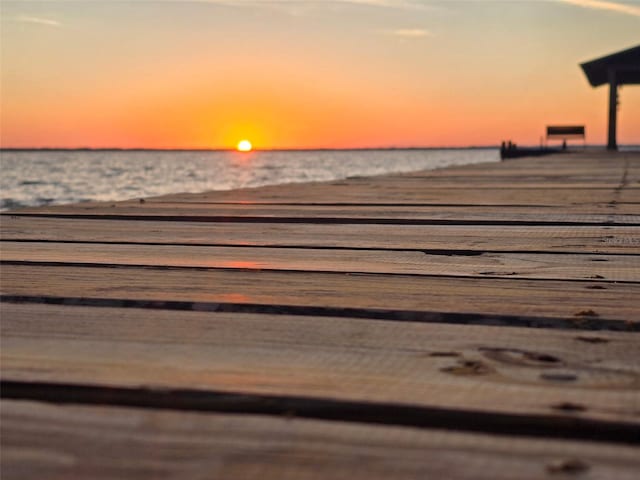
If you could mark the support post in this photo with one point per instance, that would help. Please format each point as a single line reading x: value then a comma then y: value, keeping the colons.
x: 613, y: 110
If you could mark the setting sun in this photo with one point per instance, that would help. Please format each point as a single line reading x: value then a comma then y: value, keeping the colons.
x: 244, y: 146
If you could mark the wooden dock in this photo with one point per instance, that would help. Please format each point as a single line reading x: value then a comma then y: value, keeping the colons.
x: 476, y: 322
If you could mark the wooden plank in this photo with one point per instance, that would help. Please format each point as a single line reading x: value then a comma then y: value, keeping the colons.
x: 632, y: 196
x: 469, y: 296
x: 479, y: 203
x: 419, y: 237
x: 422, y: 193
x: 487, y: 370
x: 50, y: 441
x: 604, y: 268
x: 404, y: 192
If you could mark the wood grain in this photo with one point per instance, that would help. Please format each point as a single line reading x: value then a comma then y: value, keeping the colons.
x: 49, y: 441
x: 604, y: 268
x: 411, y: 237
x: 483, y: 369
x: 407, y: 191
x: 576, y: 301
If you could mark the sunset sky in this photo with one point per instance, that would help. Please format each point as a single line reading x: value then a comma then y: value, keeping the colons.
x: 305, y: 74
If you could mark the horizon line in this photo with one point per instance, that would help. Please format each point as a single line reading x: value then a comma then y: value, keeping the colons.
x: 230, y: 149
x: 276, y: 149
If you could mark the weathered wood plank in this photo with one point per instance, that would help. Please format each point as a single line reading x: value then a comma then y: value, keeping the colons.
x: 483, y: 369
x: 469, y: 296
x: 404, y: 192
x: 606, y: 268
x: 419, y: 237
x: 567, y: 204
x: 436, y: 195
x: 391, y: 206
x: 327, y: 210
x: 49, y: 441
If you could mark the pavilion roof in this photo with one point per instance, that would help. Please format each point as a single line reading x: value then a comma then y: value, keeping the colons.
x: 626, y: 64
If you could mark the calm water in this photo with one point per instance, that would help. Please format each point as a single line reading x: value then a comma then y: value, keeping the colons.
x: 41, y: 178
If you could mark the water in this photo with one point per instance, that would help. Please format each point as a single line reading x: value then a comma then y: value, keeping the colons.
x: 54, y: 177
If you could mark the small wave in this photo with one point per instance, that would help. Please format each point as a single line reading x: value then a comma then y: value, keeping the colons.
x: 10, y: 204
x: 25, y: 183
x: 114, y: 172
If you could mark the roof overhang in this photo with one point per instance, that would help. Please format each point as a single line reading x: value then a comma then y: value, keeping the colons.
x: 625, y: 64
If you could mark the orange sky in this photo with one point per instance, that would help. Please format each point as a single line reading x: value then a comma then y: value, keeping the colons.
x: 304, y: 73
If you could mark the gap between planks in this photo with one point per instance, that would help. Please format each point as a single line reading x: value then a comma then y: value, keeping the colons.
x: 337, y: 216
x: 399, y: 415
x: 586, y: 323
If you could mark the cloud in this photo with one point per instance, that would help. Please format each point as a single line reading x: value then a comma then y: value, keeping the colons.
x: 409, y: 32
x: 385, y: 3
x: 302, y: 7
x: 38, y: 21
x: 412, y: 4
x: 605, y: 5
x: 375, y: 3
x: 398, y: 4
x: 293, y: 7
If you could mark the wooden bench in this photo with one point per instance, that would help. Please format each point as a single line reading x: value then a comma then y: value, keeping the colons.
x: 566, y: 132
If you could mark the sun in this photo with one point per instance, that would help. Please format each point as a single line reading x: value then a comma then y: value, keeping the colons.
x: 244, y: 146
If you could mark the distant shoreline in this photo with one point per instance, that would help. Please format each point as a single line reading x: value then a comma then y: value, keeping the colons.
x: 358, y: 149
x: 114, y: 149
